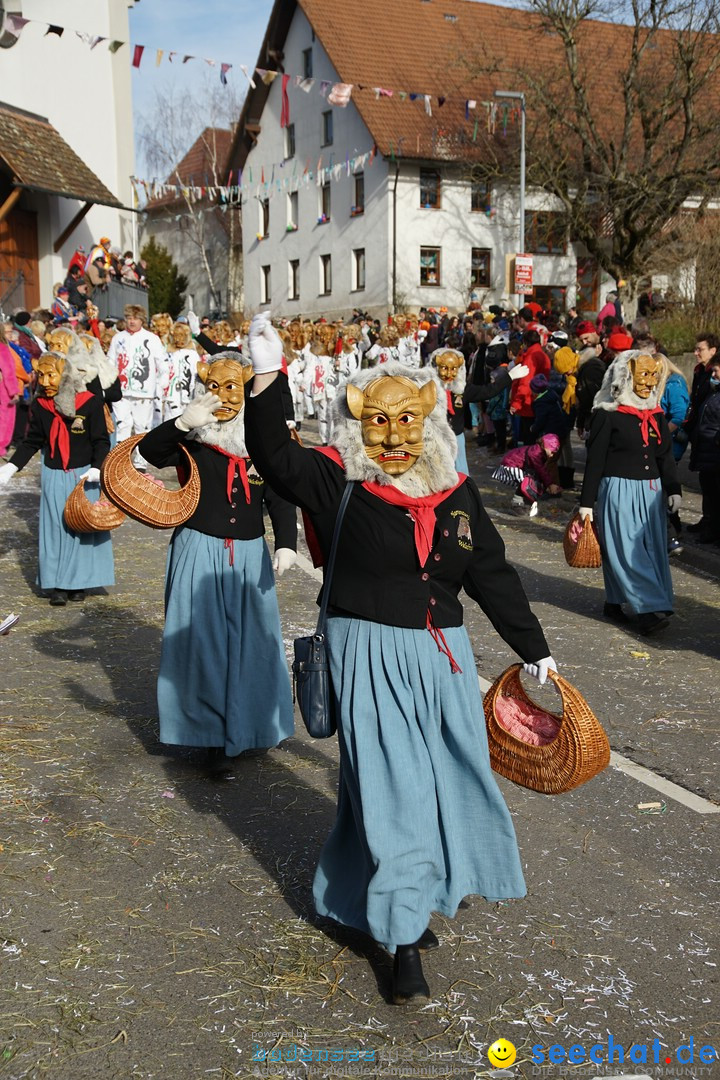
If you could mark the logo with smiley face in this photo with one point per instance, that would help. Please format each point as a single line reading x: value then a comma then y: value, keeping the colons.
x: 502, y: 1054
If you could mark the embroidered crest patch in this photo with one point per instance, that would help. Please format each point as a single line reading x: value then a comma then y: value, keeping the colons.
x: 464, y: 534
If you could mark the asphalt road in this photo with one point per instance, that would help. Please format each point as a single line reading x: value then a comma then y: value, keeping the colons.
x: 156, y: 923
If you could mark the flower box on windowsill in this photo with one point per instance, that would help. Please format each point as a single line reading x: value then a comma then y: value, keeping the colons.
x: 323, y: 219
x: 356, y: 211
x: 291, y: 228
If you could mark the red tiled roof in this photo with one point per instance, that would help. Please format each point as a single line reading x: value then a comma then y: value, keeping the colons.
x: 203, y: 165
x: 459, y: 50
x: 41, y: 160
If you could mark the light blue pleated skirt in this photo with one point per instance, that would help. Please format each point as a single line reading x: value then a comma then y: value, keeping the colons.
x: 68, y: 560
x: 632, y: 525
x: 421, y: 822
x: 461, y: 463
x: 223, y: 677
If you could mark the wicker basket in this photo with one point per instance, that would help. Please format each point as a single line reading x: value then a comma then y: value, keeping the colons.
x: 583, y: 553
x: 579, y: 751
x: 83, y: 516
x: 139, y: 497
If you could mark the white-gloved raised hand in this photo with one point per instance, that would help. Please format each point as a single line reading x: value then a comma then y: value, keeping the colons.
x: 674, y: 503
x: 266, y: 351
x: 7, y: 471
x: 92, y: 475
x: 539, y: 670
x: 198, y: 412
x: 585, y: 512
x: 519, y: 371
x: 285, y: 558
x: 193, y: 323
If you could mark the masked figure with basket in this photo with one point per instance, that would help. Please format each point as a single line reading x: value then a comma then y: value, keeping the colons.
x: 67, y: 423
x: 630, y: 481
x: 223, y: 682
x: 414, y: 765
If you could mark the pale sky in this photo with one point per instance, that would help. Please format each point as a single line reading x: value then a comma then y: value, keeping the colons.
x: 229, y: 31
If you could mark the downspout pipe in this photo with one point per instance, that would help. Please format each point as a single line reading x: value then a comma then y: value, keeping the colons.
x: 394, y: 247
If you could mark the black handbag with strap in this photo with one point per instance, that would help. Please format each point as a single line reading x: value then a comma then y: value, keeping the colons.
x: 312, y: 688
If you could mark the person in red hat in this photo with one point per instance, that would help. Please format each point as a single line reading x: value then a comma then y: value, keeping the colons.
x: 620, y: 341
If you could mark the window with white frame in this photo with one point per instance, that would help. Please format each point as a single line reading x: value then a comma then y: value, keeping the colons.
x: 430, y: 186
x: 480, y: 267
x: 429, y: 265
x: 324, y: 208
x: 545, y: 232
x: 325, y: 275
x: 327, y: 128
x: 358, y: 268
x: 307, y: 63
x: 265, y: 285
x: 358, y: 206
x: 294, y: 279
x: 480, y: 196
x: 292, y: 211
x: 264, y: 229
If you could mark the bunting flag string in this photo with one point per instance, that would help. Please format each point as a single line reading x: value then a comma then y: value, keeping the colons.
x: 338, y: 94
x: 229, y: 194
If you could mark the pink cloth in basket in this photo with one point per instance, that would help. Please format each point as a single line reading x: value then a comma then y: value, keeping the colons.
x: 525, y: 721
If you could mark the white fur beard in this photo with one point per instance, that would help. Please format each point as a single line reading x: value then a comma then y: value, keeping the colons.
x: 229, y: 436
x: 617, y: 386
x: 71, y: 383
x: 433, y: 471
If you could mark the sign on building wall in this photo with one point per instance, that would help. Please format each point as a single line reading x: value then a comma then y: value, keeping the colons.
x: 523, y: 274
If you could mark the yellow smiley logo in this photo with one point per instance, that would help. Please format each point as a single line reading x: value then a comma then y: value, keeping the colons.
x: 502, y: 1054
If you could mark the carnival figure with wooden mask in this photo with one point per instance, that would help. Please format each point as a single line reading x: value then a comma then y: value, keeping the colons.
x: 411, y: 731
x: 221, y: 604
x: 630, y: 482
x: 67, y: 423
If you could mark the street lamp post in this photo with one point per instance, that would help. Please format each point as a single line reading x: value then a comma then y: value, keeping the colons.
x: 517, y: 95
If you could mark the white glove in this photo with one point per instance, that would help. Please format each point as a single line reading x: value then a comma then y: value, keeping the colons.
x: 585, y: 512
x: 284, y: 559
x: 266, y: 351
x: 6, y: 472
x: 674, y: 503
x: 193, y: 323
x: 519, y: 371
x: 198, y: 412
x: 92, y: 476
x: 540, y: 670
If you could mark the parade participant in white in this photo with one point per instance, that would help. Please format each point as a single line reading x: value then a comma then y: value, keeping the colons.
x: 142, y: 363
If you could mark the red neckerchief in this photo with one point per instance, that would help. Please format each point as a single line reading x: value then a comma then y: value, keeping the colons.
x: 238, y: 463
x: 422, y: 511
x: 59, y: 434
x: 647, y: 420
x: 450, y: 406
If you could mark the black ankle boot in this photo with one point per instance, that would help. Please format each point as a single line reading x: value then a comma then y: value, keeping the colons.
x: 652, y: 621
x: 408, y: 980
x: 58, y: 598
x: 427, y: 941
x: 615, y: 612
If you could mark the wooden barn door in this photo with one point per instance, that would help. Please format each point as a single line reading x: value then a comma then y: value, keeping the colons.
x: 19, y: 253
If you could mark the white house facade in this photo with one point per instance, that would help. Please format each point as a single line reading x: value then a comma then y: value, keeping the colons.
x: 83, y: 98
x: 316, y: 268
x: 331, y: 222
